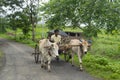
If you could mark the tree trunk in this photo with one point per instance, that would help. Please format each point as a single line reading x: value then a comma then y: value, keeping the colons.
x: 15, y: 34
x: 33, y: 26
x: 33, y: 31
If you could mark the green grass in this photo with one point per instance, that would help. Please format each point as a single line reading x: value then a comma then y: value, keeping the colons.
x: 102, y: 67
x: 3, y: 36
x: 72, y: 30
x: 102, y: 61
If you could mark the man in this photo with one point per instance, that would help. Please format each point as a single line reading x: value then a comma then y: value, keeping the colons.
x: 56, y: 37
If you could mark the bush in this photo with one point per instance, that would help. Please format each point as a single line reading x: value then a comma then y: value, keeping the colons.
x: 101, y: 61
x: 115, y: 76
x: 104, y: 66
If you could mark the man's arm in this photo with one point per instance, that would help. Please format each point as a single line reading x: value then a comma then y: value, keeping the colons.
x: 60, y: 38
x: 52, y: 38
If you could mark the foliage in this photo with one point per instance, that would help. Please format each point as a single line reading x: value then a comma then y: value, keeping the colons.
x: 104, y: 59
x: 106, y: 68
x: 95, y: 14
x: 3, y: 25
x: 19, y: 20
x: 10, y: 6
x: 107, y: 45
x: 11, y: 3
x: 32, y: 10
x: 22, y: 14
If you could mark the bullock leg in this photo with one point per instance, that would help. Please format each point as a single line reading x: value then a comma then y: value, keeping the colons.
x: 80, y: 61
x: 48, y: 64
x: 42, y: 62
x: 81, y: 68
x: 41, y: 59
x: 72, y: 58
x: 49, y: 69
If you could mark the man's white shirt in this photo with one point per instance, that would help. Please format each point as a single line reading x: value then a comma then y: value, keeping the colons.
x: 56, y: 39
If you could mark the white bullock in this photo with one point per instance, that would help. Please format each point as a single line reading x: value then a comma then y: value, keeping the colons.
x: 48, y: 51
x: 79, y: 47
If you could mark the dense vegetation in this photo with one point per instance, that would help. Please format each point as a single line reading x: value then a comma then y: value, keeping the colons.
x: 104, y: 58
x: 93, y: 14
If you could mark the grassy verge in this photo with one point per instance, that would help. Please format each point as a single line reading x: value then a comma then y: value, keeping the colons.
x: 103, y: 60
x: 4, y: 36
x: 102, y: 67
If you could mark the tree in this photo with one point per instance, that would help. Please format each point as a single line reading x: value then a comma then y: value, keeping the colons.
x: 95, y: 14
x: 3, y: 24
x: 20, y: 20
x: 27, y: 14
x: 32, y: 10
x: 12, y: 6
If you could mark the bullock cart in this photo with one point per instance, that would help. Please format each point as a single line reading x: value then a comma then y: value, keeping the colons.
x: 65, y: 51
x: 36, y: 53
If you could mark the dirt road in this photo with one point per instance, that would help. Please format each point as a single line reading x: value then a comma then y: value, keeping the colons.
x: 20, y: 66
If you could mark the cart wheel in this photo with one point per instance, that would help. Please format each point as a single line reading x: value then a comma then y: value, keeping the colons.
x: 36, y: 55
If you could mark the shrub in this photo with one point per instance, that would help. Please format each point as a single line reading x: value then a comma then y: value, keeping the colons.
x: 102, y: 65
x: 101, y: 61
x: 114, y: 76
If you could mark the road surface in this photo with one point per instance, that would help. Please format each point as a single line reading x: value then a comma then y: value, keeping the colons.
x: 20, y: 65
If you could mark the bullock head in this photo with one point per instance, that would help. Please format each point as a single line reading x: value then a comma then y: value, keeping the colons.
x: 84, y: 46
x: 53, y: 50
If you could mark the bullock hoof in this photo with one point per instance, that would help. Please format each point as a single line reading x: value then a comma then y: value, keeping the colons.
x: 72, y: 65
x: 67, y: 60
x: 49, y: 70
x: 57, y: 58
x: 45, y: 67
x: 80, y: 69
x: 42, y: 66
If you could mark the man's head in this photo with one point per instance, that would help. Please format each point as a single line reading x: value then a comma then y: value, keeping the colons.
x: 56, y: 32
